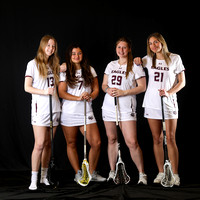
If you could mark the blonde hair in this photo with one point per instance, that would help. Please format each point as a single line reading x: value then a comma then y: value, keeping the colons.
x: 130, y: 56
x: 165, y: 51
x: 53, y: 60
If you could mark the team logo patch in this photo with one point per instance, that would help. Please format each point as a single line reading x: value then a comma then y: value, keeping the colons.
x: 132, y: 114
x: 90, y: 117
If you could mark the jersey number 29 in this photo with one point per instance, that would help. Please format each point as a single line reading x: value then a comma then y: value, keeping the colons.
x: 116, y: 80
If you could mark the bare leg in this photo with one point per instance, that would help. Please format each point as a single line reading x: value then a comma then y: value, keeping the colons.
x: 46, y: 153
x: 130, y: 135
x: 171, y: 125
x: 41, y: 138
x: 93, y: 138
x: 70, y: 134
x: 40, y: 134
x: 111, y: 132
x: 156, y: 130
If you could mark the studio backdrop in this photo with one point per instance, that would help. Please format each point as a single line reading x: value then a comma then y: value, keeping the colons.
x: 96, y: 27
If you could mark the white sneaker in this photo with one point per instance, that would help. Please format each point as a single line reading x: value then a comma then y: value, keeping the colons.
x: 111, y: 175
x: 158, y: 177
x: 78, y: 176
x: 34, y: 178
x: 44, y: 180
x: 33, y: 185
x: 177, y: 180
x: 142, y: 179
x: 97, y: 178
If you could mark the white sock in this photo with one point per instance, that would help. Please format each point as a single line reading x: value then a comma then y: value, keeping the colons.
x: 44, y: 172
x: 34, y: 178
x: 176, y: 175
x: 43, y: 178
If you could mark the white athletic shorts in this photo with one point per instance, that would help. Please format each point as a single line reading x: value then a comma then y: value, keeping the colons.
x: 111, y: 116
x: 44, y: 120
x: 157, y: 114
x: 76, y: 119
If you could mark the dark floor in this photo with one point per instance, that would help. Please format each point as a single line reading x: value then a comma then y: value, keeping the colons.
x: 14, y: 185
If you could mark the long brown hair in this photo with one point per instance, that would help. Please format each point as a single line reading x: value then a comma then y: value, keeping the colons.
x: 71, y: 79
x: 53, y: 60
x: 130, y: 56
x: 165, y: 50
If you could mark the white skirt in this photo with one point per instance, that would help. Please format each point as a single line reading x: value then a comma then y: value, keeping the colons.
x: 44, y: 120
x: 76, y: 119
x: 111, y: 116
x: 157, y: 114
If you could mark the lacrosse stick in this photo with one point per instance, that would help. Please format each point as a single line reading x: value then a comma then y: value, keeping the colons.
x: 168, y: 179
x: 86, y: 176
x: 52, y: 166
x: 120, y: 172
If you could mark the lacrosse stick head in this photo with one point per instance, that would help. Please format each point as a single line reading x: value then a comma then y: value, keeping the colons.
x: 168, y: 179
x: 86, y: 176
x: 120, y: 174
x: 51, y: 175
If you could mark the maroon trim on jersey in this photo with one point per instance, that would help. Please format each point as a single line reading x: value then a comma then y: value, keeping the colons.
x: 181, y: 71
x: 28, y: 76
x: 36, y: 107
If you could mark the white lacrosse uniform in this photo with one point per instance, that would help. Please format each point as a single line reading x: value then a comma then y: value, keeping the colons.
x: 117, y: 79
x: 161, y: 77
x: 40, y: 110
x: 73, y: 111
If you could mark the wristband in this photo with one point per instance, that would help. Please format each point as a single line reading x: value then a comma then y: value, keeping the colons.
x: 106, y: 89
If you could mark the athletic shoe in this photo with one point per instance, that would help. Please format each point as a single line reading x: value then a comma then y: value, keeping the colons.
x: 97, y: 178
x: 44, y: 180
x: 78, y: 176
x: 33, y: 185
x: 142, y: 179
x: 111, y: 175
x: 158, y: 177
x: 177, y: 180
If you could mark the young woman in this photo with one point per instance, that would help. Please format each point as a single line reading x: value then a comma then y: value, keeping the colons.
x: 77, y: 84
x: 41, y: 78
x: 166, y: 78
x: 124, y: 80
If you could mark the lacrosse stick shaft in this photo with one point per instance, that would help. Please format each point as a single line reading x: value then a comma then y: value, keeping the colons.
x: 51, y: 125
x: 117, y: 122
x: 120, y: 173
x: 164, y: 131
x: 117, y: 125
x: 85, y: 129
x: 86, y: 176
x: 168, y: 179
x: 51, y: 169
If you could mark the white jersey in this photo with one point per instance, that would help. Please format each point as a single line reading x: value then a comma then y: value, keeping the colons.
x: 162, y: 77
x: 40, y: 103
x: 77, y: 107
x: 117, y: 79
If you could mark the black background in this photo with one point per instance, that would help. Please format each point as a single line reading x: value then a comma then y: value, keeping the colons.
x: 97, y: 25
